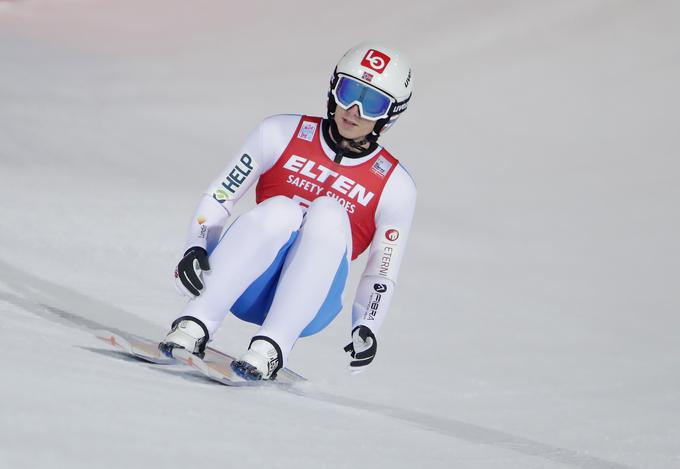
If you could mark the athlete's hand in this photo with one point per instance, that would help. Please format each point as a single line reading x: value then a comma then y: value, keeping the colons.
x: 362, y: 348
x: 188, y: 274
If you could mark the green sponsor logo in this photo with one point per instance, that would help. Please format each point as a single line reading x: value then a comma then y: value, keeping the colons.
x: 221, y: 195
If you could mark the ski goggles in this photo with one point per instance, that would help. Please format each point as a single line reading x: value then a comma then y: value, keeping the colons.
x: 373, y: 103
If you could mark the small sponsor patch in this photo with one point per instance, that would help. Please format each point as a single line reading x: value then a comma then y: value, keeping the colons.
x: 372, y: 307
x: 234, y: 179
x: 307, y: 131
x: 381, y: 167
x: 367, y: 76
x: 221, y: 195
x: 389, y: 259
x: 380, y: 287
x: 392, y: 235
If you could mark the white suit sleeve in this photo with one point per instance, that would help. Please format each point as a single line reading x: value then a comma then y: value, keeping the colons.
x: 263, y: 147
x: 393, y: 224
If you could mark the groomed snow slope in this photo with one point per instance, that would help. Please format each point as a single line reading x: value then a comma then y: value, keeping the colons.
x: 536, y: 322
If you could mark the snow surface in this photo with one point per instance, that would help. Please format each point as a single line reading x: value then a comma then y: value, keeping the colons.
x: 536, y: 323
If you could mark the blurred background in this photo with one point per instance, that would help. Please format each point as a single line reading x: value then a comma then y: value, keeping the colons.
x: 537, y: 297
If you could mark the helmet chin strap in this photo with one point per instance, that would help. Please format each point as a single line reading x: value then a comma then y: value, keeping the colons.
x: 345, y: 148
x: 358, y: 145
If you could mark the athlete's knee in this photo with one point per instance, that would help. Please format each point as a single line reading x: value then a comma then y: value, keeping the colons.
x: 276, y: 214
x: 327, y: 217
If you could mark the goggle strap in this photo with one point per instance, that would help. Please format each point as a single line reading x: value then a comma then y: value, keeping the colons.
x: 399, y: 107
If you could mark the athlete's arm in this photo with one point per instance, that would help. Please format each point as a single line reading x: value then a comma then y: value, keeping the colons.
x: 258, y: 154
x: 393, y: 223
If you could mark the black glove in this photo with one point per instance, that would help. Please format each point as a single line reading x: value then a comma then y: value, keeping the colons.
x: 188, y: 272
x: 362, y: 348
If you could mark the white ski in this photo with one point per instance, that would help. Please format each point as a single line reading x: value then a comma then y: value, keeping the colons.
x: 215, y: 365
x: 139, y: 348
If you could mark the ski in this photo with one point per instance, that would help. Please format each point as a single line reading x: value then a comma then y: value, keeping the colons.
x: 219, y: 372
x: 142, y: 349
x: 216, y: 365
x: 222, y: 373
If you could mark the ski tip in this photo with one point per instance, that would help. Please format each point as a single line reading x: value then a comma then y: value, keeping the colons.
x: 140, y: 350
x: 113, y: 339
x: 103, y: 334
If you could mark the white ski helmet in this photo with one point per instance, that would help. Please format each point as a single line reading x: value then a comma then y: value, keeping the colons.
x: 378, y: 79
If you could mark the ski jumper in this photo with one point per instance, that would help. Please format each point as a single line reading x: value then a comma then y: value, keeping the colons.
x: 284, y: 264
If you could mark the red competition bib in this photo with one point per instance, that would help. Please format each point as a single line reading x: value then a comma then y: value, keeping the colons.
x: 303, y: 172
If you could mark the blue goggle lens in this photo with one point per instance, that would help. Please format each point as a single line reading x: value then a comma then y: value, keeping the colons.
x: 374, y: 104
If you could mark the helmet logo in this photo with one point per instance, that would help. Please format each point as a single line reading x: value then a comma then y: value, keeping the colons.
x: 375, y: 60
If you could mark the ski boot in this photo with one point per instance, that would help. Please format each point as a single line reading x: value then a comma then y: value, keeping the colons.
x: 262, y: 360
x: 187, y: 333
